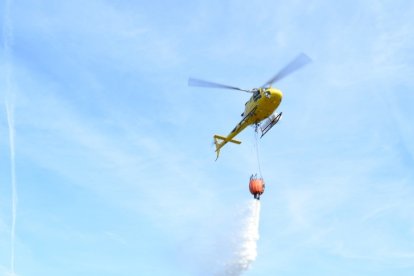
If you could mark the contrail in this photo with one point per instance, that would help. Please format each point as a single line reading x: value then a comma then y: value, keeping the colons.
x: 246, y: 248
x: 10, y: 121
x: 7, y: 43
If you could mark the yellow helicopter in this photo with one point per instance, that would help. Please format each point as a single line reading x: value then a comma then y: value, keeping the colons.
x: 260, y: 106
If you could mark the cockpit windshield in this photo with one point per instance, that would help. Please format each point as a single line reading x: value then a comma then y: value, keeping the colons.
x: 256, y: 95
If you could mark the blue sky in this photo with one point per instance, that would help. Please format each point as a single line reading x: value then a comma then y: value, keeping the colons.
x: 114, y: 164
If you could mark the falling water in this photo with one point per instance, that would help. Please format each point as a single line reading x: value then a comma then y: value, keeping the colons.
x: 245, y: 250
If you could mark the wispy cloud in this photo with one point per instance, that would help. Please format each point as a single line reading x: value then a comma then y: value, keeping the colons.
x: 113, y: 146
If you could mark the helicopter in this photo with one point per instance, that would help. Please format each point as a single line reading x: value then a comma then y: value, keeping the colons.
x: 260, y: 109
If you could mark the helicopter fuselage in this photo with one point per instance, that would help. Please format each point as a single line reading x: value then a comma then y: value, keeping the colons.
x: 262, y: 104
x: 259, y: 107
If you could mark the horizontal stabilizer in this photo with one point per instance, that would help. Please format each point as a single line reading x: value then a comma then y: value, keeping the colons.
x: 224, y: 138
x: 223, y: 141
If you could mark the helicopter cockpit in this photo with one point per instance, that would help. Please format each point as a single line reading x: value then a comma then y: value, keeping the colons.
x: 257, y: 94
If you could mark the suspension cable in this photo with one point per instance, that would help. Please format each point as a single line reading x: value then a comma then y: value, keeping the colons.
x: 256, y: 138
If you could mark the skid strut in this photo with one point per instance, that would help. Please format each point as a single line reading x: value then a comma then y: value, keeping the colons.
x: 270, y: 122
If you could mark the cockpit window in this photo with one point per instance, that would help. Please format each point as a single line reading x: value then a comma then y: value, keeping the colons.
x: 256, y: 96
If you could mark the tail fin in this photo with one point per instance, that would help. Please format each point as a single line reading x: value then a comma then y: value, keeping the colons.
x: 224, y: 140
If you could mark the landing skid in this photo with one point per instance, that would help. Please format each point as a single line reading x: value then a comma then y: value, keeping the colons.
x: 270, y: 122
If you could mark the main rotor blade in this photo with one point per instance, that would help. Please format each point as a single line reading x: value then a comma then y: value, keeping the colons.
x: 297, y: 63
x: 203, y: 83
